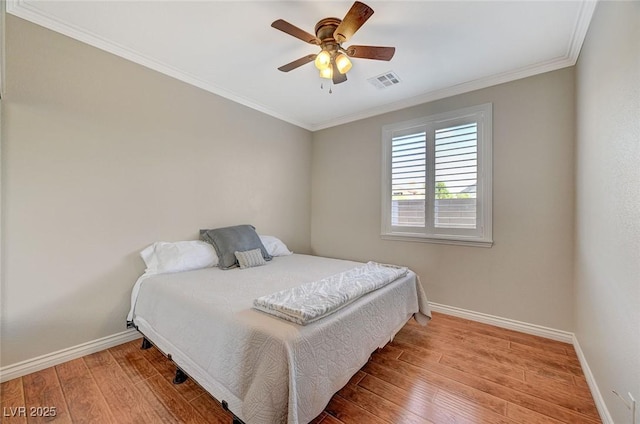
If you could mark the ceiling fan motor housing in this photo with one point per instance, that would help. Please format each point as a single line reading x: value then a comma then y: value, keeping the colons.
x: 324, y: 31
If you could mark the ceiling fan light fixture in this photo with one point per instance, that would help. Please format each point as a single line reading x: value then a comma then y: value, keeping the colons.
x: 326, y: 72
x: 323, y: 60
x: 334, y: 60
x: 343, y: 63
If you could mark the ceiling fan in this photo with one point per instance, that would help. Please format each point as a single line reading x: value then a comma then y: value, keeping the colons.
x: 333, y: 60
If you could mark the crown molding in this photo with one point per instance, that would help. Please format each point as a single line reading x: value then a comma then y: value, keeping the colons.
x: 568, y: 59
x: 580, y: 28
x: 454, y: 90
x: 24, y: 10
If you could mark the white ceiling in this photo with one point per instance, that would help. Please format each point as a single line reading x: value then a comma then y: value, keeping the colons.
x: 229, y: 48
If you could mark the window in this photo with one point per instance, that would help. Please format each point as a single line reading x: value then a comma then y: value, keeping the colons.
x: 437, y: 178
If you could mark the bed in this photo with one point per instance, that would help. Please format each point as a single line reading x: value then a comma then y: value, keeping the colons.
x: 266, y: 369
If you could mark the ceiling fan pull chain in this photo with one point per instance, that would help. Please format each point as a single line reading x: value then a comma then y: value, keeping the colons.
x: 330, y: 87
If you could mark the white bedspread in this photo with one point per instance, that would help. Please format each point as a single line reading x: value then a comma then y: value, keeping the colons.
x: 267, y: 369
x: 309, y: 302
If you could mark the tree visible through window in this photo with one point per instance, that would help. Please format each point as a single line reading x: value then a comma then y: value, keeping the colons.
x: 456, y: 173
x: 442, y: 192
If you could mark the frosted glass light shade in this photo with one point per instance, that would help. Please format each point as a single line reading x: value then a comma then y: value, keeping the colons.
x: 326, y: 73
x: 343, y: 63
x: 323, y: 60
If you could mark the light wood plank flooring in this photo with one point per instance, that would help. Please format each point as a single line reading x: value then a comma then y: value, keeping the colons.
x: 453, y: 371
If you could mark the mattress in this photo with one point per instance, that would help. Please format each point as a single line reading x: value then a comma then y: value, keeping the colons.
x: 267, y: 369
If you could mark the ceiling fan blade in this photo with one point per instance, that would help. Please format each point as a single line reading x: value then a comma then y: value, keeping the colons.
x: 293, y: 30
x: 297, y: 63
x: 353, y: 20
x: 371, y: 52
x: 338, y: 78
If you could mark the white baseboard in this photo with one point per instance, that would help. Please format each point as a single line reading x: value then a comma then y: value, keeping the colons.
x: 605, y: 416
x: 511, y: 324
x: 536, y: 330
x: 45, y: 361
x: 41, y: 362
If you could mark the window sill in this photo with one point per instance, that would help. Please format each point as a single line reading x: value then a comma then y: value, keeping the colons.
x: 437, y: 240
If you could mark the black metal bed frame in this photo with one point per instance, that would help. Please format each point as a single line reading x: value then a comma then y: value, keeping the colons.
x: 182, y: 376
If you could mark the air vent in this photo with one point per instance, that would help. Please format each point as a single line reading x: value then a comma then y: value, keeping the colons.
x: 385, y: 80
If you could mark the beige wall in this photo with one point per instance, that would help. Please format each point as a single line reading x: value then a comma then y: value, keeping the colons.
x: 101, y: 157
x: 527, y: 274
x: 607, y: 252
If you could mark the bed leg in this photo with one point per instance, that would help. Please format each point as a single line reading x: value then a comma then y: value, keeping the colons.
x: 146, y: 344
x: 225, y: 406
x: 180, y: 377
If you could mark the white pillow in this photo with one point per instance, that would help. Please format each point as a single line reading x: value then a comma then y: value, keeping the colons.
x: 275, y: 246
x: 162, y: 257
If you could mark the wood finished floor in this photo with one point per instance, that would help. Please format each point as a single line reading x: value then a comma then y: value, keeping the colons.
x: 453, y: 371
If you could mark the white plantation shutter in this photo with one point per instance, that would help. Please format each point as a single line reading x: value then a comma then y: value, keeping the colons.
x: 437, y: 178
x: 456, y: 174
x: 408, y: 184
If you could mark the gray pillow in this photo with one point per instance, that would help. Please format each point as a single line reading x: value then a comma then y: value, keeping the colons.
x: 229, y: 240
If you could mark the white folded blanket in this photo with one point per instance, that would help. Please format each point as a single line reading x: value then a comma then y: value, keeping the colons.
x: 311, y: 301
